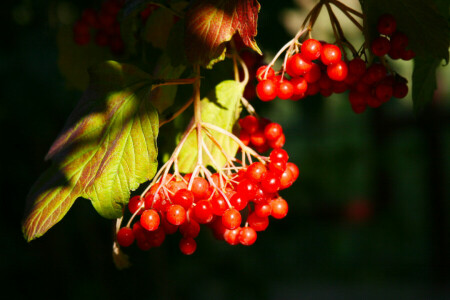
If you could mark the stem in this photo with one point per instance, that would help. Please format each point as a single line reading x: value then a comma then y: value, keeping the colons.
x: 250, y: 109
x: 177, y: 113
x: 344, y: 7
x: 360, y: 27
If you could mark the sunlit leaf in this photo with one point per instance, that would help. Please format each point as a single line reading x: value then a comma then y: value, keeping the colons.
x: 107, y: 148
x: 222, y: 108
x: 210, y: 24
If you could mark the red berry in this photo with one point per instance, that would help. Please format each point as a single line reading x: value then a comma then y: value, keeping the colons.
x: 386, y: 24
x: 311, y: 49
x: 176, y: 214
x: 330, y: 54
x: 279, y: 208
x: 232, y: 236
x: 300, y: 85
x: 399, y: 41
x: 246, y: 189
x: 231, y: 219
x: 247, y: 236
x: 249, y: 123
x: 266, y: 90
x: 190, y: 229
x: 271, y: 183
x: 238, y: 201
x: 262, y: 210
x: 400, y: 90
x: 150, y: 219
x: 187, y: 245
x: 277, y: 167
x: 278, y: 143
x: 200, y: 188
x: 273, y: 131
x: 286, y: 179
x: 244, y: 136
x: 298, y: 65
x: 257, y: 223
x: 294, y: 169
x: 314, y: 74
x: 337, y: 71
x: 256, y: 172
x: 261, y: 72
x: 358, y: 109
x: 135, y: 204
x: 279, y: 154
x: 383, y: 92
x: 257, y: 138
x: 125, y: 237
x: 203, y: 212
x: 357, y: 66
x: 219, y: 205
x: 373, y: 101
x: 183, y: 197
x: 380, y: 46
x: 356, y: 98
x: 285, y: 90
x: 407, y: 54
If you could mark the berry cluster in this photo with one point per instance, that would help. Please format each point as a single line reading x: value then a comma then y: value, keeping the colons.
x: 318, y: 67
x: 391, y: 42
x: 261, y: 134
x: 219, y: 200
x: 102, y: 25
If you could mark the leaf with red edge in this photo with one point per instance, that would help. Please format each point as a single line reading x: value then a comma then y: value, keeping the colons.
x: 107, y: 148
x: 212, y: 23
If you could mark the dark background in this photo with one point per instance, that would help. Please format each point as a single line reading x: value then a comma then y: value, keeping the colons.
x: 369, y: 215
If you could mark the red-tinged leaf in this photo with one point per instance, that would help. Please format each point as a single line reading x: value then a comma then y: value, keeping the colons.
x: 212, y: 23
x: 107, y: 148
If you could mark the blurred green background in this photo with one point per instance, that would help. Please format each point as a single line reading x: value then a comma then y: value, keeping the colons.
x: 369, y: 216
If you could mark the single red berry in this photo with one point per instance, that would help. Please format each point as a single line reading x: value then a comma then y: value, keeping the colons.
x: 380, y: 46
x: 330, y: 54
x: 384, y: 92
x: 300, y: 85
x: 231, y: 219
x: 286, y: 179
x: 278, y: 143
x: 257, y: 138
x: 273, y: 131
x: 285, y: 90
x: 294, y: 169
x: 247, y: 236
x: 337, y: 71
x: 203, y: 212
x: 297, y: 65
x: 314, y: 74
x: 244, y: 136
x: 271, y: 183
x: 311, y: 49
x: 266, y: 90
x: 246, y: 189
x: 190, y: 229
x: 261, y: 73
x: 232, y: 236
x: 183, y: 197
x: 187, y: 245
x: 262, y: 210
x: 386, y: 24
x: 279, y: 208
x: 176, y: 214
x: 168, y: 227
x: 357, y: 66
x: 279, y: 154
x: 375, y: 73
x: 200, y: 188
x: 217, y: 228
x: 135, y: 204
x: 238, y: 201
x: 400, y: 90
x: 125, y: 237
x: 277, y: 166
x: 257, y: 223
x: 399, y: 41
x: 256, y: 172
x: 219, y: 205
x: 157, y: 237
x: 249, y: 123
x: 150, y: 219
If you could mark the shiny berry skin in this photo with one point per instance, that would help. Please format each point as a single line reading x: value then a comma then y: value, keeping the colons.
x: 337, y: 71
x: 278, y: 143
x: 263, y: 210
x: 232, y: 236
x: 256, y: 171
x: 279, y: 154
x: 285, y: 90
x: 200, y: 188
x: 386, y: 24
x: 294, y: 169
x: 247, y: 236
x: 249, y: 123
x: 271, y: 183
x: 273, y: 131
x: 330, y: 54
x: 187, y: 245
x: 246, y: 189
x: 357, y: 66
x: 238, y: 202
x: 257, y: 138
x: 314, y: 74
x: 125, y: 237
x: 257, y: 223
x: 176, y: 214
x: 261, y: 72
x: 203, y: 212
x: 380, y: 46
x: 231, y: 219
x: 311, y: 48
x: 277, y: 167
x: 150, y: 220
x: 183, y: 197
x: 286, y: 179
x: 298, y: 65
x: 219, y: 205
x: 136, y: 203
x: 266, y: 90
x: 300, y: 85
x: 279, y: 208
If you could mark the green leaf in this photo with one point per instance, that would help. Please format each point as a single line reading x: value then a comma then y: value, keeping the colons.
x: 212, y: 23
x: 107, y: 148
x: 424, y: 81
x: 74, y: 60
x: 221, y: 107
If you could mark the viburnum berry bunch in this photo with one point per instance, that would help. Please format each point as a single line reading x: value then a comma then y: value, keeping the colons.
x: 311, y: 67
